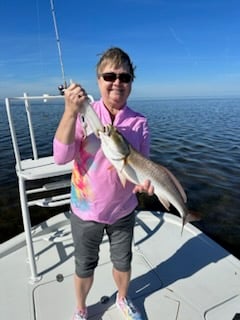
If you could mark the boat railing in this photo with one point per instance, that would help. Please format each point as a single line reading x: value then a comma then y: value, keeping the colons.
x: 36, y: 168
x: 26, y: 101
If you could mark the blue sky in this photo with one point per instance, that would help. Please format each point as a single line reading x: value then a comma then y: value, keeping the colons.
x: 180, y: 47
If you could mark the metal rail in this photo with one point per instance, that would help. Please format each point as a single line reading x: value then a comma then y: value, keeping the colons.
x: 35, y: 169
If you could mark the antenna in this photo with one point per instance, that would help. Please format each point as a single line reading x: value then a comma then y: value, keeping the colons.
x: 59, y: 46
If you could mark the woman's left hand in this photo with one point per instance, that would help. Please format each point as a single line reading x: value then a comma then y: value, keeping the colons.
x: 145, y: 187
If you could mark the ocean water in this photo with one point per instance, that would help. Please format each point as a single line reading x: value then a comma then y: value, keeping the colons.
x: 197, y: 139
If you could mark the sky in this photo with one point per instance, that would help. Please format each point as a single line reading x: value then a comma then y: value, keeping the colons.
x: 181, y: 48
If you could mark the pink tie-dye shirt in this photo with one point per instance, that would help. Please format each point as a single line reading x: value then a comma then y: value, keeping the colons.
x: 96, y: 191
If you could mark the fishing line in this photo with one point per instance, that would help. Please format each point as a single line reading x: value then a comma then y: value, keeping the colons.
x: 39, y: 34
x: 58, y: 45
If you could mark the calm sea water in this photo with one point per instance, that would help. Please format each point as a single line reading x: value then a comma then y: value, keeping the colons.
x: 197, y: 139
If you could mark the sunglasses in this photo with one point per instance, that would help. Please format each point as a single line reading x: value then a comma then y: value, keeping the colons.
x: 112, y: 76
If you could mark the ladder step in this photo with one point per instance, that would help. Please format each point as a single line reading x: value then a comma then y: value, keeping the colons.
x: 55, y: 201
x: 51, y: 186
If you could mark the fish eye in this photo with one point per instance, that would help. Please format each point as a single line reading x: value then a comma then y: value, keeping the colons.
x: 107, y: 129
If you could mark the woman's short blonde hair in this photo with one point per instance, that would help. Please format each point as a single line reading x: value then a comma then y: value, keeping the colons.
x: 117, y: 57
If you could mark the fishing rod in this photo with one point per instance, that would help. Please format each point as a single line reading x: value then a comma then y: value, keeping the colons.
x: 61, y: 88
x: 90, y: 115
x: 64, y: 86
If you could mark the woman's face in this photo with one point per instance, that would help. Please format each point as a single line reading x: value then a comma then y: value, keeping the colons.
x: 115, y: 92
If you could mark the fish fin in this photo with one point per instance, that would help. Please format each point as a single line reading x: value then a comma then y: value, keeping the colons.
x: 164, y: 202
x: 177, y: 184
x: 121, y: 176
x: 122, y: 179
x: 124, y: 162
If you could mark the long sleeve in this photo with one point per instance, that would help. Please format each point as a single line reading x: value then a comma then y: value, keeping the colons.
x: 64, y: 153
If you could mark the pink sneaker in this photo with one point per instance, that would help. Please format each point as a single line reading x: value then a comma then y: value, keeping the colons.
x: 128, y: 309
x: 80, y: 315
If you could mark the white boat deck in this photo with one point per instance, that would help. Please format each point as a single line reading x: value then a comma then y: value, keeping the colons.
x: 174, y: 276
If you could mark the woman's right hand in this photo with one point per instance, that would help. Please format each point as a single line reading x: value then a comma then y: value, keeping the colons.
x: 75, y: 96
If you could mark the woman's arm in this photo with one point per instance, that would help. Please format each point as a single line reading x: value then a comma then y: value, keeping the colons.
x: 64, y: 144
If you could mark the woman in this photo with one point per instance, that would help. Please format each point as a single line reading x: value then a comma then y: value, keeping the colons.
x: 99, y: 202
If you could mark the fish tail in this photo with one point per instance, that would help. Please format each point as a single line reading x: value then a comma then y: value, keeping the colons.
x: 190, y: 217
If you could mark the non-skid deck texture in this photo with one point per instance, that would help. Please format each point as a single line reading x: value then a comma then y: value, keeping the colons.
x: 173, y: 277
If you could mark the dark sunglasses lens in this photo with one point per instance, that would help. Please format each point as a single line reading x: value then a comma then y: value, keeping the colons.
x: 110, y: 77
x: 125, y: 77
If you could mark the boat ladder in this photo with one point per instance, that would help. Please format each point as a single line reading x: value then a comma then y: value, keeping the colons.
x: 36, y: 169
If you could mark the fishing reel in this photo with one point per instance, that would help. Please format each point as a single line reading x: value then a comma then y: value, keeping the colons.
x: 62, y: 88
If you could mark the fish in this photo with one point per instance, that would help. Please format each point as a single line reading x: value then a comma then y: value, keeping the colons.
x: 89, y: 116
x: 134, y: 167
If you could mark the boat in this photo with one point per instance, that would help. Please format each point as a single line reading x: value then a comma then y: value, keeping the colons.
x: 174, y: 276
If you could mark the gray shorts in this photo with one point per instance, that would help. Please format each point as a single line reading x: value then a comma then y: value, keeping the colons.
x: 87, y: 237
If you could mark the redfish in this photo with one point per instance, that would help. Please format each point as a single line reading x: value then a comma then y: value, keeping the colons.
x: 136, y: 168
